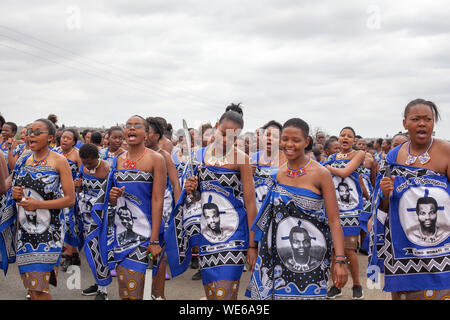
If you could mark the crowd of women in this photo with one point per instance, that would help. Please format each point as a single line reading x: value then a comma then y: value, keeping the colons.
x: 291, y: 208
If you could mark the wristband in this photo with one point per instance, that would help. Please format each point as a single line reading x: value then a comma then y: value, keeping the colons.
x: 253, y: 247
x: 154, y: 242
x: 341, y: 256
x: 340, y: 261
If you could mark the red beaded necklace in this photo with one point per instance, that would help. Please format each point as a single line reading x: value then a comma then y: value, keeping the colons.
x: 131, y: 164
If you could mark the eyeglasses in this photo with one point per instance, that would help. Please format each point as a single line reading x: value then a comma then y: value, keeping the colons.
x: 136, y: 126
x: 36, y: 132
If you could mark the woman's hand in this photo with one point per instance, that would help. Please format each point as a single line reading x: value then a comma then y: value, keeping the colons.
x: 387, y: 186
x: 29, y: 204
x: 17, y: 193
x: 115, y: 194
x: 191, y: 184
x: 340, y: 275
x: 252, y: 254
x: 154, y: 250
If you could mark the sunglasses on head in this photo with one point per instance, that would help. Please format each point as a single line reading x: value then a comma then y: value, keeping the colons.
x: 36, y: 132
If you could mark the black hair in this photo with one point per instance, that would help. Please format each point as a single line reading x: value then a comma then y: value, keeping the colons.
x: 233, y: 116
x: 209, y: 206
x: 156, y: 126
x: 272, y: 123
x: 50, y: 126
x: 85, y: 132
x: 162, y: 122
x: 358, y: 137
x: 317, y: 153
x: 298, y: 229
x: 12, y: 125
x: 379, y: 141
x: 298, y: 123
x: 96, y: 137
x: 76, y: 136
x: 310, y: 144
x: 433, y: 107
x: 88, y: 151
x: 143, y: 120
x: 236, y: 108
x: 114, y: 128
x: 349, y: 128
x: 426, y: 200
x: 327, y: 143
x: 2, y: 122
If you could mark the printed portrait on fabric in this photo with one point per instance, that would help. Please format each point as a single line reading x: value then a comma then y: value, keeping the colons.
x: 219, y: 219
x: 131, y: 223
x: 424, y: 215
x: 34, y: 222
x: 346, y: 193
x: 300, y: 245
x: 85, y: 203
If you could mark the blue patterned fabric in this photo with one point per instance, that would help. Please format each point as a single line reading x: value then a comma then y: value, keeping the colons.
x: 93, y: 193
x: 133, y: 217
x: 294, y: 246
x: 41, y: 232
x: 411, y: 244
x: 349, y: 196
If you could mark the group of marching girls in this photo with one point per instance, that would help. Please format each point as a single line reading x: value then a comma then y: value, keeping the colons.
x: 290, y: 208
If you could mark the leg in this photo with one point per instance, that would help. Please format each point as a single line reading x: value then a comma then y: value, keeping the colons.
x: 38, y: 284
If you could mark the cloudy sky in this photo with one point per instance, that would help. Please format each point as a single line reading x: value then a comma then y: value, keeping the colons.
x: 95, y: 63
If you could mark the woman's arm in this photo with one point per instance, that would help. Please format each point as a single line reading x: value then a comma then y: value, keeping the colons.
x: 337, y: 235
x: 159, y: 187
x: 3, y: 174
x: 351, y: 166
x: 173, y: 176
x: 250, y: 207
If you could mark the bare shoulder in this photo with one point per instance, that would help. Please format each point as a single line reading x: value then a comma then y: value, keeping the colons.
x: 444, y: 146
x: 319, y: 169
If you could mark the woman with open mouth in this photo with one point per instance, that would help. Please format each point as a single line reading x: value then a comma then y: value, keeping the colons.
x: 346, y: 168
x: 37, y: 183
x: 136, y: 186
x: 74, y: 241
x: 411, y: 241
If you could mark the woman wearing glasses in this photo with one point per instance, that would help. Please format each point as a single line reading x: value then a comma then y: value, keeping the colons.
x: 37, y: 182
x: 136, y: 186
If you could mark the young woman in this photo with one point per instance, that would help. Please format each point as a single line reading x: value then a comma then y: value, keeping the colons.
x: 171, y: 195
x: 228, y: 208
x: 410, y: 243
x: 295, y: 235
x: 91, y: 185
x: 74, y: 241
x: 268, y: 159
x: 115, y: 141
x: 9, y: 130
x: 345, y: 168
x: 37, y: 183
x: 21, y: 149
x: 137, y: 182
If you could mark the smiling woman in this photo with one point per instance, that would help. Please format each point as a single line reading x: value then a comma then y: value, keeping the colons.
x: 37, y: 181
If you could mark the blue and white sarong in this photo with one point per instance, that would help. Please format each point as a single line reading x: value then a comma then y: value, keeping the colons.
x: 262, y: 174
x: 222, y: 244
x: 411, y: 244
x: 349, y: 196
x: 133, y: 217
x: 287, y: 268
x: 93, y: 193
x: 41, y: 232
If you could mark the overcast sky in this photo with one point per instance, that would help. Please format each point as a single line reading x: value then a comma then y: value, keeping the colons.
x: 333, y: 64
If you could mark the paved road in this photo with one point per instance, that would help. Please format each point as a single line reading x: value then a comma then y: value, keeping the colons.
x: 179, y: 288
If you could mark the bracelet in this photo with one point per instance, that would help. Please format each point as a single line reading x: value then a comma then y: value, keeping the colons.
x: 341, y: 256
x: 340, y: 261
x: 253, y: 247
x: 154, y: 242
